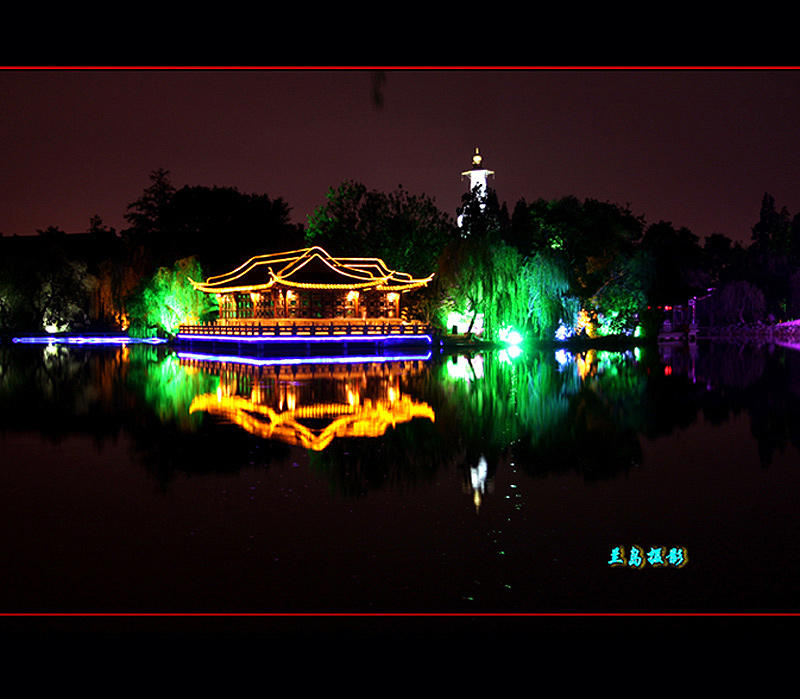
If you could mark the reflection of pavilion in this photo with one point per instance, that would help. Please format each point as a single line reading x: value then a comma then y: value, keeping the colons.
x: 310, y: 404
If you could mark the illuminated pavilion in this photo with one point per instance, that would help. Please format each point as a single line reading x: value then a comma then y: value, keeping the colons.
x: 308, y: 293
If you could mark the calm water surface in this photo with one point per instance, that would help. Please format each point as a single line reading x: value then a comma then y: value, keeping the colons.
x: 136, y: 479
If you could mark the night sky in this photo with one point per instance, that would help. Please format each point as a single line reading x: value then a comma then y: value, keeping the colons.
x: 698, y: 148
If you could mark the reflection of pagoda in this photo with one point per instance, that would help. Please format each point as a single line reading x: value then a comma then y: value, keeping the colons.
x: 479, y: 481
x: 309, y: 405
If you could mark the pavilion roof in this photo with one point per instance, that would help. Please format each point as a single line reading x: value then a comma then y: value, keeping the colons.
x: 310, y: 268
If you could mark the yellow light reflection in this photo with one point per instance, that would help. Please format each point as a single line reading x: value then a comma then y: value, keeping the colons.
x: 307, y: 409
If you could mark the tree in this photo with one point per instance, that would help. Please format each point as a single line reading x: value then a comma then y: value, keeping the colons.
x: 772, y: 256
x: 549, y: 301
x: 736, y: 302
x: 482, y: 216
x: 42, y: 288
x: 770, y: 234
x: 592, y: 259
x: 220, y: 226
x: 224, y: 227
x: 167, y: 300
x: 407, y: 231
x: 145, y: 215
x: 491, y: 278
x: 620, y: 302
x: 676, y: 261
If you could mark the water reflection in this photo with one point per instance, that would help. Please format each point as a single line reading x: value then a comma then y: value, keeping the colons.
x: 543, y: 412
x: 309, y: 404
x: 494, y: 481
x: 722, y: 380
x: 390, y: 422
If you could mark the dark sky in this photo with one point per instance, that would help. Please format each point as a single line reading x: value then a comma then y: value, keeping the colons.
x: 698, y: 148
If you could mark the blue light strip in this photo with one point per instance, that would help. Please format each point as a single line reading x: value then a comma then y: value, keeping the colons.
x: 86, y: 340
x: 270, y: 339
x: 269, y: 361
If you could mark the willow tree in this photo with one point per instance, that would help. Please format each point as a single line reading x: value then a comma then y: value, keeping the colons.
x: 508, y: 289
x: 549, y: 301
x: 461, y: 280
x: 168, y: 299
x: 491, y: 278
x: 591, y: 246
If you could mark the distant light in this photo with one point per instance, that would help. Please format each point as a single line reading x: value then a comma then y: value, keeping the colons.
x: 563, y: 332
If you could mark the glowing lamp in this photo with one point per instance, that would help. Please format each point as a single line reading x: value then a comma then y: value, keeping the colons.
x: 510, y: 336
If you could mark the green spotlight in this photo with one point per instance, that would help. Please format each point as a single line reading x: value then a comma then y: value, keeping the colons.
x: 510, y: 336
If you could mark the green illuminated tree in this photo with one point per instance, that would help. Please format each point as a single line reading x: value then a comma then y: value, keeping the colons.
x: 167, y: 300
x: 464, y: 279
x: 491, y: 277
x: 591, y: 254
x: 549, y: 301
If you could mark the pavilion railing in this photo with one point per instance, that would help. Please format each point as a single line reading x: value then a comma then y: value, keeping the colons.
x: 306, y: 329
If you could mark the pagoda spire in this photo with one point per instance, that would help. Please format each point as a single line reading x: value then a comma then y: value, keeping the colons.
x: 477, y: 175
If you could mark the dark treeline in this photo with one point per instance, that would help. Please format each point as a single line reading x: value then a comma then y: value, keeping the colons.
x: 546, y: 267
x: 100, y: 280
x: 616, y: 262
x: 566, y: 266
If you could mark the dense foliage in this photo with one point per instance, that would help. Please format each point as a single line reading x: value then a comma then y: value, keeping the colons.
x: 163, y: 302
x: 220, y: 226
x: 551, y: 268
x: 406, y: 231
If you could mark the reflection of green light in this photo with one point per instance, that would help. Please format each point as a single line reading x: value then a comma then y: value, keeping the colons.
x: 168, y: 387
x: 509, y: 353
x: 465, y: 369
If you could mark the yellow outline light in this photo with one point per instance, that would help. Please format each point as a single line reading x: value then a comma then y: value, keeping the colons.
x: 364, y: 271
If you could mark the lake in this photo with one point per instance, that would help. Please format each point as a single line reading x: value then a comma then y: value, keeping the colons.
x: 138, y: 479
